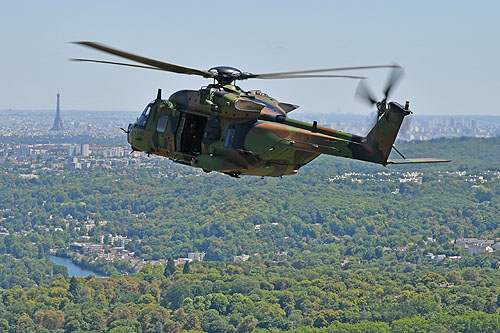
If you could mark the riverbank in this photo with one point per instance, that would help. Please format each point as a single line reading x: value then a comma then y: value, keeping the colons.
x: 74, y: 269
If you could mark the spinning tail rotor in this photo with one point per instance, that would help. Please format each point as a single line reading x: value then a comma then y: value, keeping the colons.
x: 365, y: 94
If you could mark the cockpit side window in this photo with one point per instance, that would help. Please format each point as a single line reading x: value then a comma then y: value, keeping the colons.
x: 144, y: 116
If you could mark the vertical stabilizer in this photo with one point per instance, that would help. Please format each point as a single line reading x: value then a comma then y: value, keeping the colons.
x: 382, y: 136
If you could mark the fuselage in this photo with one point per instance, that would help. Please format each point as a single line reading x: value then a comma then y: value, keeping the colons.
x: 224, y: 129
x: 218, y: 129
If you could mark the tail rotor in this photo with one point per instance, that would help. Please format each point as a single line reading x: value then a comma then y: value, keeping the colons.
x: 365, y: 94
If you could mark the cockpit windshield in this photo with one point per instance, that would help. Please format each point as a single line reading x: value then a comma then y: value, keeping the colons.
x: 144, y: 116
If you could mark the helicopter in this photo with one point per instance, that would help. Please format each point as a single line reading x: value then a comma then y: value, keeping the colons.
x: 223, y: 128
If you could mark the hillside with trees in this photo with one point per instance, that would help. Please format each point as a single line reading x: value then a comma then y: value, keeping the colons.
x: 341, y: 246
x: 260, y: 297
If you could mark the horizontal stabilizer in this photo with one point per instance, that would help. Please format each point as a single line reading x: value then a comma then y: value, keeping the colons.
x: 287, y: 107
x: 417, y: 160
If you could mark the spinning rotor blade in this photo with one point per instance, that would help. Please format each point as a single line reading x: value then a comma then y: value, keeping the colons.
x: 165, y: 66
x: 365, y: 94
x: 279, y: 74
x: 307, y: 76
x: 396, y: 75
x: 226, y: 74
x: 115, y: 63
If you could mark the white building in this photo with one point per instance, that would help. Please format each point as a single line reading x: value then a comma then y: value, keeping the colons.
x: 85, y: 150
x: 243, y: 257
x: 196, y: 256
x: 439, y: 257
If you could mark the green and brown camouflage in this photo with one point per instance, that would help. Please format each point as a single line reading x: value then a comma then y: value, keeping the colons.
x: 225, y: 129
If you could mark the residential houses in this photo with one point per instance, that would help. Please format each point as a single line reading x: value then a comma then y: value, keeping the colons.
x: 474, y: 246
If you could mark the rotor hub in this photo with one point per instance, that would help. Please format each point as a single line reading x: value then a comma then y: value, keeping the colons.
x: 226, y: 74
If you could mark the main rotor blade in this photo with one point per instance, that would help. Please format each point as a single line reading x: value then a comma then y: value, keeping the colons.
x: 396, y: 75
x: 268, y: 75
x: 307, y: 76
x: 165, y: 66
x: 115, y: 63
x: 365, y: 94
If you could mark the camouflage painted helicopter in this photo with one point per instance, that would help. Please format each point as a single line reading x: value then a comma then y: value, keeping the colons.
x: 223, y: 128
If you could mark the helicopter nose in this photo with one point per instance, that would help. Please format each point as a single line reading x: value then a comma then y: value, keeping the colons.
x: 137, y: 139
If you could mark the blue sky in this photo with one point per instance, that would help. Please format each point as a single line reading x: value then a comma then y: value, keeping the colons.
x: 450, y: 51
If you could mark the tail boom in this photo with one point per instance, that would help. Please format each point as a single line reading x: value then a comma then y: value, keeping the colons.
x: 375, y: 147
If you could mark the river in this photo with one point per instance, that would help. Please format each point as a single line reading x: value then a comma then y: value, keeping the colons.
x: 73, y: 270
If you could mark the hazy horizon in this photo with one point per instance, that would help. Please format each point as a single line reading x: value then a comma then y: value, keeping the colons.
x: 449, y: 50
x: 291, y: 115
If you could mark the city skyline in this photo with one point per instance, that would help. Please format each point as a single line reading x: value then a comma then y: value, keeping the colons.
x: 104, y: 126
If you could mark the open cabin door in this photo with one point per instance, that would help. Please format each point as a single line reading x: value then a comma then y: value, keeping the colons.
x: 190, y: 134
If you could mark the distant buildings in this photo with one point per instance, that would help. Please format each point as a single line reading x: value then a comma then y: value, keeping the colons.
x: 440, y: 257
x: 74, y: 164
x: 4, y: 232
x: 79, y: 150
x: 421, y: 127
x: 243, y: 257
x: 196, y: 256
x: 181, y: 261
x: 112, y: 248
x: 192, y: 256
x: 474, y: 246
x: 23, y: 150
x: 106, y: 151
x: 118, y: 240
x: 85, y: 150
x: 48, y: 157
x: 86, y: 248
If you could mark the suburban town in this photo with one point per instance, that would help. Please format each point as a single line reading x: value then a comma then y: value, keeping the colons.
x: 92, y: 140
x: 104, y: 126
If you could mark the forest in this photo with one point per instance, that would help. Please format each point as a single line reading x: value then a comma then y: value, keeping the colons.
x: 258, y: 297
x: 339, y: 247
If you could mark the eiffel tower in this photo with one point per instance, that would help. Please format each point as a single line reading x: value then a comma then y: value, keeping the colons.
x: 58, y: 126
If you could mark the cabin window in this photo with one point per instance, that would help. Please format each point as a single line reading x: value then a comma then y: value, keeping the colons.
x: 228, y: 142
x: 162, y: 124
